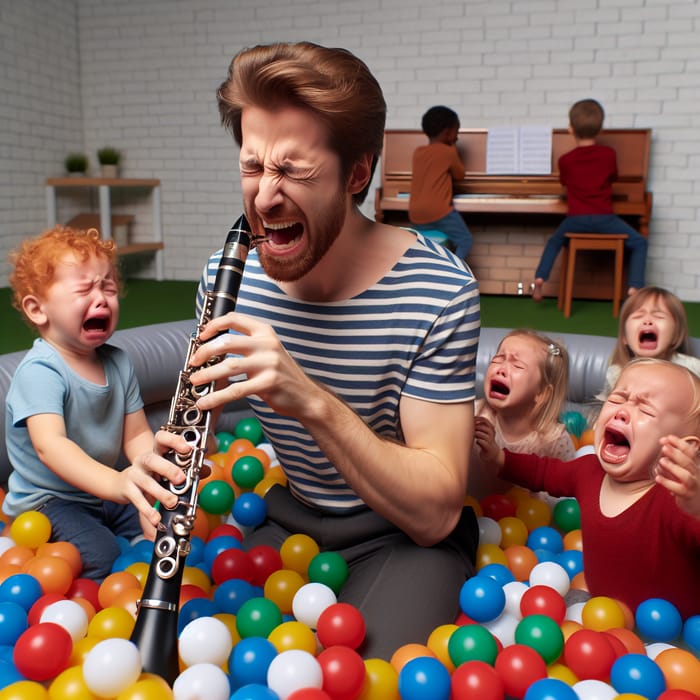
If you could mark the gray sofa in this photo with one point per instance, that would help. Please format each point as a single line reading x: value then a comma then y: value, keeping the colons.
x: 158, y: 353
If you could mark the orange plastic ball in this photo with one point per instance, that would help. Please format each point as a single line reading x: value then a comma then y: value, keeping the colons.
x: 587, y: 437
x: 53, y: 573
x: 30, y: 529
x: 87, y: 606
x: 573, y: 540
x: 568, y: 627
x: 681, y: 669
x: 63, y: 550
x: 631, y: 641
x: 115, y: 584
x: 128, y: 599
x: 578, y: 582
x: 407, y: 653
x: 18, y: 555
x: 521, y: 561
x: 7, y: 570
x: 201, y: 525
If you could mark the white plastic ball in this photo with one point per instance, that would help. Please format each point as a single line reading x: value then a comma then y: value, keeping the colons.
x: 585, y: 450
x: 69, y: 615
x: 591, y: 689
x: 291, y: 670
x: 6, y: 543
x: 200, y: 682
x: 489, y: 531
x: 574, y: 612
x: 310, y: 601
x: 655, y: 648
x: 514, y: 591
x: 549, y: 573
x: 111, y: 666
x: 503, y: 628
x: 205, y: 640
x: 268, y: 449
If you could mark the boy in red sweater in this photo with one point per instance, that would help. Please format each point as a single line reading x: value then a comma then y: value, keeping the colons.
x: 435, y: 166
x: 588, y: 172
x: 638, y: 494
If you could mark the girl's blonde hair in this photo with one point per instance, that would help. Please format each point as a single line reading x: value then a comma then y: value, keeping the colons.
x: 554, y: 370
x: 680, y: 341
x: 35, y: 259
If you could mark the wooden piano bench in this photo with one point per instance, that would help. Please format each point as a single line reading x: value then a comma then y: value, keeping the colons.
x: 597, y: 242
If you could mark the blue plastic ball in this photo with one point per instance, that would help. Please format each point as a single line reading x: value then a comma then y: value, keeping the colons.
x: 249, y: 509
x: 143, y: 550
x: 550, y: 689
x: 691, y: 633
x: 232, y: 593
x: 424, y: 677
x: 13, y: 621
x: 545, y: 537
x: 215, y: 546
x: 571, y: 560
x: 498, y: 572
x: 9, y: 674
x: 482, y: 599
x: 546, y: 555
x: 637, y: 673
x: 193, y: 609
x: 22, y: 589
x: 250, y: 660
x: 658, y: 620
x: 196, y: 554
x: 254, y: 691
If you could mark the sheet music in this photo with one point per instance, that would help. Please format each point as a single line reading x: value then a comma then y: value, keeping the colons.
x: 519, y: 150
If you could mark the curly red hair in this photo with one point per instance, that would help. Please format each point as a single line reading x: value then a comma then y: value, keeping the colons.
x: 35, y: 259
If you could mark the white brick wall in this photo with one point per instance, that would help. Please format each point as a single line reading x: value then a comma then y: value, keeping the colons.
x: 148, y: 71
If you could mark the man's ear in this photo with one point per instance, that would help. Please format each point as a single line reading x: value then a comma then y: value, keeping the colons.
x: 360, y: 174
x: 34, y: 310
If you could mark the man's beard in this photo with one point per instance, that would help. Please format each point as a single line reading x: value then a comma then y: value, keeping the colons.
x: 326, y: 231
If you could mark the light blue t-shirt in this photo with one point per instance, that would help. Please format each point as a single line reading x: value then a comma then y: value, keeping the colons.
x: 93, y: 415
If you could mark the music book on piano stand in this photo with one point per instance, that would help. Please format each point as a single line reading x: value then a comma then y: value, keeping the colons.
x: 519, y: 150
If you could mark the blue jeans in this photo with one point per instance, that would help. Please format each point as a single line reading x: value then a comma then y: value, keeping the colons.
x: 454, y: 228
x: 635, y: 244
x: 93, y: 529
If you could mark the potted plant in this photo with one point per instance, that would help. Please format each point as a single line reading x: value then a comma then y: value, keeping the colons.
x: 76, y: 164
x: 109, y: 158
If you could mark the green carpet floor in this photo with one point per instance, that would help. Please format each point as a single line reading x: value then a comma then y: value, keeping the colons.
x: 147, y: 301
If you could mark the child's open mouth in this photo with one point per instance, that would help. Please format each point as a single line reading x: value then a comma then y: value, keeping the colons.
x: 498, y: 389
x: 616, y: 446
x: 96, y: 324
x: 648, y: 340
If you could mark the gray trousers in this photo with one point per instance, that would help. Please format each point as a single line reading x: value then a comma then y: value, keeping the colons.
x: 402, y: 590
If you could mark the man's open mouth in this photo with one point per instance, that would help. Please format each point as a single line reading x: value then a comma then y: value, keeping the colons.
x: 284, y: 235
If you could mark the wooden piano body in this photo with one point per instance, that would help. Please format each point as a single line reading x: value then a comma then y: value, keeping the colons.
x: 489, y: 196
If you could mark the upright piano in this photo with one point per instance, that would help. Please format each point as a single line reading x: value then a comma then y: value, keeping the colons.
x: 483, y: 193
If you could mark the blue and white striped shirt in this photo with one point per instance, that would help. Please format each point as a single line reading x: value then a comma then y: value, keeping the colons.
x: 414, y: 333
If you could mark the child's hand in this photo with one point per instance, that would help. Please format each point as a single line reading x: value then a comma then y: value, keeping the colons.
x: 490, y: 454
x: 678, y: 471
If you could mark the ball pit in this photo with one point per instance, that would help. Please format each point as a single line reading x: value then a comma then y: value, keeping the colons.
x: 267, y: 625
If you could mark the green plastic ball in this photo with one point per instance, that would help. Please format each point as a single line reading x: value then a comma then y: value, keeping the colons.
x: 216, y: 497
x: 247, y: 471
x: 472, y: 643
x: 224, y: 440
x: 257, y: 617
x: 567, y: 515
x: 542, y: 634
x: 330, y: 569
x: 574, y: 421
x: 250, y: 429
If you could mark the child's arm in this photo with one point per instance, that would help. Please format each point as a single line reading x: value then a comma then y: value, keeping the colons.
x: 490, y: 454
x: 678, y: 472
x: 134, y: 484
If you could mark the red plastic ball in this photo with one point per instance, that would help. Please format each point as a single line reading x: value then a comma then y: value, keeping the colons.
x: 543, y: 600
x: 85, y: 588
x: 519, y: 666
x: 341, y: 624
x: 498, y: 505
x: 589, y: 654
x: 343, y: 672
x: 309, y: 694
x: 225, y: 529
x: 232, y: 563
x: 477, y: 680
x: 266, y: 560
x: 42, y: 651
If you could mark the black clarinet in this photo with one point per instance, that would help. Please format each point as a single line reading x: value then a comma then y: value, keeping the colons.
x: 155, y: 631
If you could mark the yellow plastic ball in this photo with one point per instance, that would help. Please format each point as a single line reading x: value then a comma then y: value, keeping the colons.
x: 489, y: 554
x: 293, y: 635
x: 381, y: 681
x: 24, y: 690
x: 30, y: 529
x: 601, y: 613
x: 111, y: 622
x: 281, y: 586
x: 438, y: 642
x: 513, y: 531
x: 297, y: 551
x: 70, y: 685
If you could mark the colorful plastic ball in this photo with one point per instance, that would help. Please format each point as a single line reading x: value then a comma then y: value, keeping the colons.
x: 482, y: 598
x: 224, y: 529
x: 381, y: 681
x: 250, y: 659
x: 571, y: 560
x: 292, y: 670
x: 542, y: 634
x: 69, y: 615
x: 85, y: 588
x: 330, y: 569
x: 658, y: 620
x: 292, y: 634
x: 310, y: 601
x: 13, y: 622
x: 489, y: 531
x: 205, y: 640
x: 601, y: 613
x: 545, y: 537
x: 550, y: 689
x: 681, y: 669
x: 249, y: 509
x: 22, y: 589
x: 202, y: 681
x: 676, y: 694
x: 637, y: 673
x: 424, y: 677
x: 309, y: 694
x: 216, y: 497
x: 521, y: 561
x: 498, y: 505
x: 343, y: 672
x: 281, y: 586
x: 519, y: 666
x: 490, y: 554
x: 42, y: 651
x: 30, y: 529
x: 574, y: 422
x: 589, y: 654
x: 549, y: 573
x: 111, y: 622
x: 477, y: 680
x: 341, y: 624
x: 297, y: 551
x: 224, y: 440
x: 70, y: 685
x: 266, y: 559
x: 514, y: 592
x: 498, y: 572
x: 513, y: 531
x: 503, y: 628
x: 24, y: 690
x: 534, y: 513
x: 111, y: 666
x: 114, y: 584
x: 438, y: 642
x: 543, y: 600
x: 254, y: 691
x: 691, y: 633
x: 407, y: 652
x: 231, y: 594
x: 250, y: 429
x: 567, y: 515
x: 147, y: 687
x: 247, y: 471
x: 54, y: 575
x: 63, y: 550
x: 257, y: 617
x: 230, y: 564
x: 216, y: 545
x: 472, y: 643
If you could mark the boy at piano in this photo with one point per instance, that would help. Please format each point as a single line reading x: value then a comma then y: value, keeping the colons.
x: 435, y: 166
x: 587, y: 172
